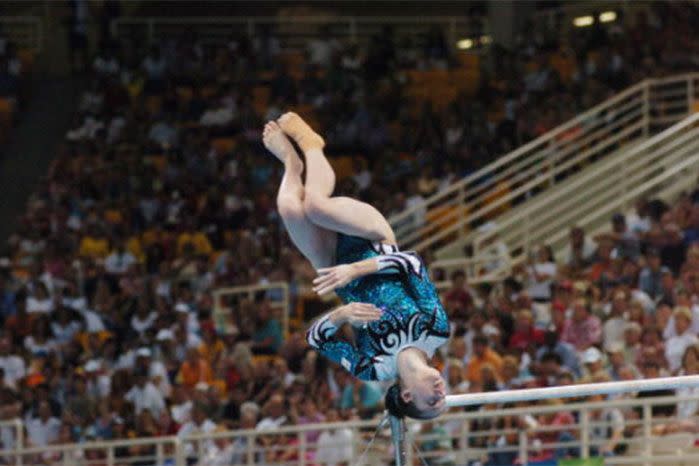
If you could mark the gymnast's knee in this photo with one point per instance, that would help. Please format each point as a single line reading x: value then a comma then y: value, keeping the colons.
x: 315, y: 206
x: 290, y: 206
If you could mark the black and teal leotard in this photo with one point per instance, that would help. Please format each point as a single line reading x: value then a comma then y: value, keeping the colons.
x: 413, y: 313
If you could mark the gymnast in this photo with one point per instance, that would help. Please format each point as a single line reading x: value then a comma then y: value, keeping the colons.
x: 392, y: 305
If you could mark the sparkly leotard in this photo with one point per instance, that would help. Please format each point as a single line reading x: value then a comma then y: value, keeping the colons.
x: 413, y: 314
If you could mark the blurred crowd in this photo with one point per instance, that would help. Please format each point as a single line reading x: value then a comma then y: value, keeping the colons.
x: 106, y: 288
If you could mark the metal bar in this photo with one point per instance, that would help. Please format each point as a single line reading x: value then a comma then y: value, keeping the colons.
x: 585, y: 433
x: 573, y: 391
x: 398, y: 439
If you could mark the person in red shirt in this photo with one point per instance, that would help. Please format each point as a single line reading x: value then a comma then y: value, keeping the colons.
x: 525, y: 333
x: 457, y: 296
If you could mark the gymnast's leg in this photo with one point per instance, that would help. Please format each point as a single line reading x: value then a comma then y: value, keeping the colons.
x: 341, y: 214
x: 314, y: 242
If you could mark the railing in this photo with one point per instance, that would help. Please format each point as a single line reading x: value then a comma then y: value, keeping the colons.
x: 225, y: 299
x: 26, y: 31
x: 537, y: 167
x: 294, y: 32
x: 517, y: 432
x: 477, y: 269
x: 664, y: 165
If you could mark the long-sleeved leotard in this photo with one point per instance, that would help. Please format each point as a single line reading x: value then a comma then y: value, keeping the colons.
x: 413, y: 314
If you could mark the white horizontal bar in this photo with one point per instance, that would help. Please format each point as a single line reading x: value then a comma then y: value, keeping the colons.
x: 573, y: 391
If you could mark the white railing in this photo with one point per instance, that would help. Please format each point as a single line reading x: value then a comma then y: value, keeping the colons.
x: 664, y: 165
x: 535, y: 168
x: 25, y: 31
x: 293, y: 32
x: 276, y: 293
x: 526, y: 436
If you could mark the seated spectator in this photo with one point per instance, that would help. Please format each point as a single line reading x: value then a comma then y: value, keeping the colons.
x: 651, y: 276
x: 144, y: 395
x: 12, y: 364
x: 267, y: 337
x: 273, y: 412
x: 690, y: 366
x: 194, y: 370
x: 566, y: 351
x: 614, y: 325
x: 541, y: 273
x: 610, y: 437
x: 334, y: 446
x: 199, y: 424
x: 582, y: 329
x: 40, y: 301
x: 676, y: 346
x: 458, y: 294
x: 525, y: 335
x: 44, y: 429
x: 482, y: 354
x: 581, y: 250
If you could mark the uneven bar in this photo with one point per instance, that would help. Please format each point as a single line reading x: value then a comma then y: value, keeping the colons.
x: 573, y: 391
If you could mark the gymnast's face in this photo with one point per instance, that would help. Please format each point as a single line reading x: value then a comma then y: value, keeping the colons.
x: 427, y: 390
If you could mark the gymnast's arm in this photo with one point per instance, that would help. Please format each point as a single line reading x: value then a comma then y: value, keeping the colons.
x: 331, y: 278
x: 321, y: 336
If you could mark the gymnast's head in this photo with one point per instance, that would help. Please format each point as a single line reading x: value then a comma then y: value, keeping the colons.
x: 418, y: 394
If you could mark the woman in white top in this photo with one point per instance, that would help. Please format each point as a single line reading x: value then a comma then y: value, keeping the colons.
x: 40, y: 301
x: 541, y: 272
x: 675, y: 346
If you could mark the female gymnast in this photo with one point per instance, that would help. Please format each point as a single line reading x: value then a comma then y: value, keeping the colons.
x: 391, y: 303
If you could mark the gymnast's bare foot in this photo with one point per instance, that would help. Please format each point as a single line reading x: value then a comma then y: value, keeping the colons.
x: 277, y: 143
x: 305, y: 137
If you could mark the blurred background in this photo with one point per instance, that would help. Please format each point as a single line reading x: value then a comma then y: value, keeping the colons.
x: 542, y: 156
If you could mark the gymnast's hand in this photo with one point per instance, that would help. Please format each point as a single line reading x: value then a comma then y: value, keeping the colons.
x: 355, y: 314
x: 331, y: 278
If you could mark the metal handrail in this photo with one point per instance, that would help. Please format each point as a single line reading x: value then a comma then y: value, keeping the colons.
x: 463, y: 435
x: 249, y: 291
x: 621, y: 120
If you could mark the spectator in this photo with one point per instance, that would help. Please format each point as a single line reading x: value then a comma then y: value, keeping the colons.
x: 267, y: 337
x: 650, y: 278
x: 194, y: 370
x: 199, y: 424
x: 13, y: 365
x: 44, y: 429
x: 541, y: 273
x: 566, y: 351
x: 613, y: 328
x: 525, y: 336
x: 334, y: 446
x: 482, y: 355
x: 676, y: 346
x: 144, y: 395
x: 582, y: 329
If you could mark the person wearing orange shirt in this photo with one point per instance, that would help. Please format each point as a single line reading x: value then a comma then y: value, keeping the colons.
x: 194, y: 370
x: 482, y: 355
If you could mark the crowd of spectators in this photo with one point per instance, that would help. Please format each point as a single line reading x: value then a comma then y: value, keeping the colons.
x: 105, y: 292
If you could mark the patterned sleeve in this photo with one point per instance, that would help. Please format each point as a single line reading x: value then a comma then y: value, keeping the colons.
x: 417, y: 278
x: 321, y: 337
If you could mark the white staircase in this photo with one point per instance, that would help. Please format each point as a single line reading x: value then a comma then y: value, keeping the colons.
x: 531, y: 192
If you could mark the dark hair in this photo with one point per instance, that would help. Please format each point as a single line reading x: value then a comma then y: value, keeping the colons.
x: 398, y: 407
x: 552, y: 357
